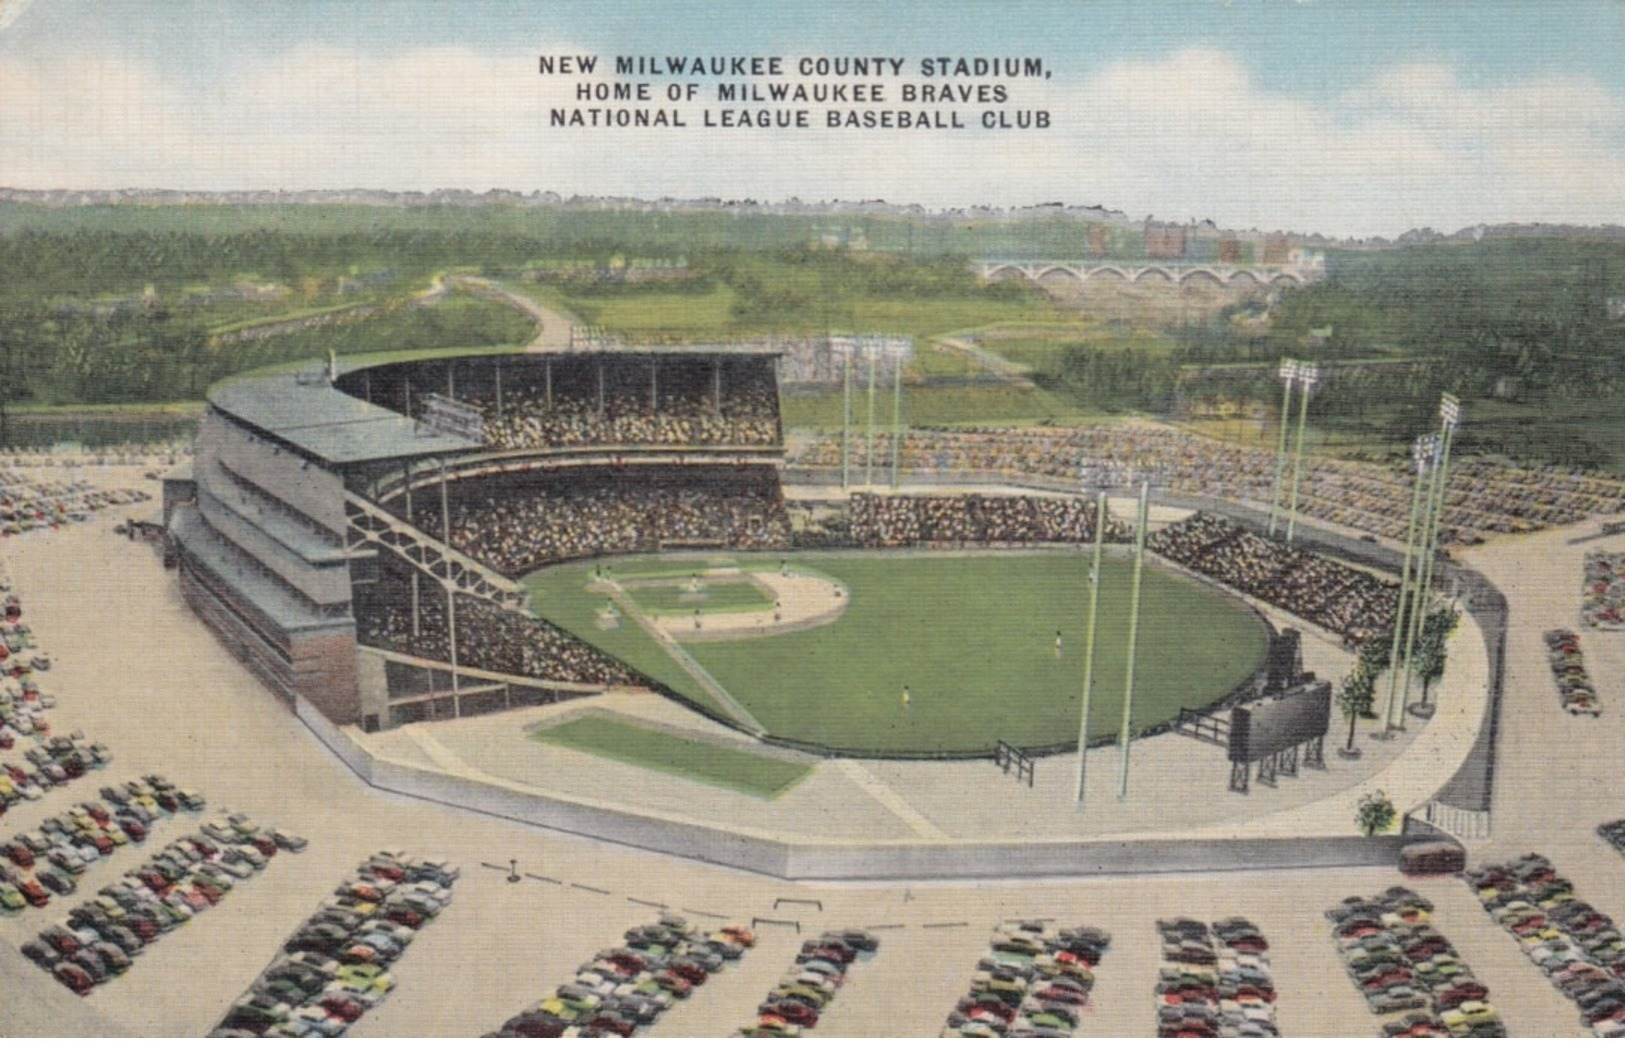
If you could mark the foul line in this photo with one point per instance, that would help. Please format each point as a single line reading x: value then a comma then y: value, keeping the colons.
x: 630, y: 609
x: 883, y: 794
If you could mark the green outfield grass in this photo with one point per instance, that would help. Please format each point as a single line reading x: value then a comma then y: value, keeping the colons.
x: 719, y: 597
x: 709, y: 762
x: 974, y: 639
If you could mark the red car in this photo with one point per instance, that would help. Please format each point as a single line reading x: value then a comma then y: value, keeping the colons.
x: 342, y: 1007
x: 1471, y: 991
x: 20, y: 855
x: 677, y: 986
x: 611, y: 1024
x: 35, y: 893
x: 794, y: 1012
x: 364, y: 892
x: 74, y: 977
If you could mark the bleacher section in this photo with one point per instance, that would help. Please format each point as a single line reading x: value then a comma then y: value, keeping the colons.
x: 1354, y: 604
x: 517, y: 523
x: 973, y: 520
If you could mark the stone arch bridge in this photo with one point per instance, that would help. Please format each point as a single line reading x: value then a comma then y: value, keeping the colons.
x: 1239, y: 276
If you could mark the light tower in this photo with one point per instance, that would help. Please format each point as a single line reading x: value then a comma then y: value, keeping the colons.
x: 1449, y: 418
x: 1288, y: 374
x: 1308, y: 375
x: 1089, y: 643
x: 1125, y: 736
x: 1424, y: 450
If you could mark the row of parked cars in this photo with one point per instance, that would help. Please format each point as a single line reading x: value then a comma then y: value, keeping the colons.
x: 624, y: 988
x: 26, y: 505
x: 49, y: 859
x: 1214, y: 983
x: 1034, y: 982
x: 1402, y: 963
x: 185, y: 878
x: 1578, y: 948
x: 1603, y: 599
x: 336, y: 966
x: 1574, y: 687
x: 813, y: 981
x: 46, y: 764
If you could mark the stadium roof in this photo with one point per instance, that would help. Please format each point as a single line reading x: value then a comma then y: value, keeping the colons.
x: 325, y: 423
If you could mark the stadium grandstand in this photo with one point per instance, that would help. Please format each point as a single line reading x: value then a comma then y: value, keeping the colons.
x: 353, y: 534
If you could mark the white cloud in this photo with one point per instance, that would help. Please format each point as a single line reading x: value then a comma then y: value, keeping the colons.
x: 10, y: 11
x: 1187, y: 135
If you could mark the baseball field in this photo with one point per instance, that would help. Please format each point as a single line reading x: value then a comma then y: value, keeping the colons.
x: 973, y: 637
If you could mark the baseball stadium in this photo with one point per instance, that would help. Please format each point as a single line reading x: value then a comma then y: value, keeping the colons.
x: 505, y: 580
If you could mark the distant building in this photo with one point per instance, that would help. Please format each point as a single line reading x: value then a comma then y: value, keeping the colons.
x: 1164, y: 242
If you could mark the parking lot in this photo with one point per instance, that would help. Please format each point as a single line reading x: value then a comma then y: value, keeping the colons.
x: 133, y: 669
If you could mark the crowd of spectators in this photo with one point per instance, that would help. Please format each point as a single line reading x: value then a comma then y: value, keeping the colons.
x: 973, y: 520
x: 1484, y: 496
x: 1604, y: 597
x: 680, y: 406
x: 488, y: 637
x: 518, y: 527
x: 1345, y: 600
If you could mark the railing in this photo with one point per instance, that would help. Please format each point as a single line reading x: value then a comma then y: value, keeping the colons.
x: 1007, y: 757
x: 1204, y: 725
x: 1463, y: 824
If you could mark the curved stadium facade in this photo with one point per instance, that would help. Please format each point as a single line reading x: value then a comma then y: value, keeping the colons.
x: 318, y: 533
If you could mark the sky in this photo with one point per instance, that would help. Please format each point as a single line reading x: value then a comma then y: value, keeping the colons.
x: 1347, y: 118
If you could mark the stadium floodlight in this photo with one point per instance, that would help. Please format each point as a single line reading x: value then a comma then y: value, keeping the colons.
x: 844, y: 347
x: 1308, y: 373
x: 1289, y: 375
x: 1450, y: 411
x: 1126, y: 734
x: 1095, y: 578
x: 1450, y: 415
x: 1422, y: 453
x: 869, y: 446
x: 898, y: 356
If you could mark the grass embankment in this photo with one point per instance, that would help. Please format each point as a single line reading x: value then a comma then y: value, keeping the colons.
x: 710, y: 763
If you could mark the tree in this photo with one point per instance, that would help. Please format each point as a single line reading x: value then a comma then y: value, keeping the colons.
x: 1375, y: 814
x: 1372, y: 659
x: 1354, y: 700
x: 1430, y: 650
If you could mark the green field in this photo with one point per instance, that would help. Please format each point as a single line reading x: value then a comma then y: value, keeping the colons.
x: 719, y: 597
x: 972, y: 636
x: 708, y: 762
